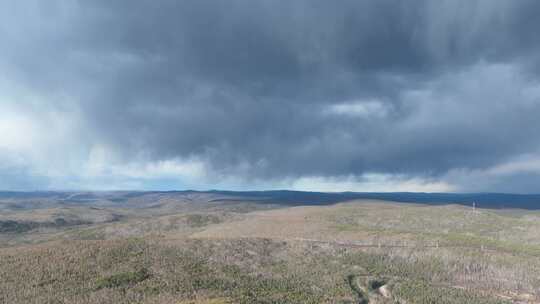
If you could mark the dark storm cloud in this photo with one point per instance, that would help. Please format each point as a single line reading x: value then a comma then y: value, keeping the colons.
x: 289, y: 88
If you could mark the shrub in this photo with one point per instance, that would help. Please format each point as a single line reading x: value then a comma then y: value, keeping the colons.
x: 123, y: 279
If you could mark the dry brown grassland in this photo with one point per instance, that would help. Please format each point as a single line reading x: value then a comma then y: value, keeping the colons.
x: 355, y: 252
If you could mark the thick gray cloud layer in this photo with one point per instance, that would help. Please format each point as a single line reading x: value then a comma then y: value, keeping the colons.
x: 274, y: 90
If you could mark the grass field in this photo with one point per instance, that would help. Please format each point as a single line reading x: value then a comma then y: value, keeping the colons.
x: 244, y: 252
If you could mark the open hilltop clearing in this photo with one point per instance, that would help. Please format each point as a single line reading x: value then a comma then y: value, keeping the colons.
x: 195, y: 247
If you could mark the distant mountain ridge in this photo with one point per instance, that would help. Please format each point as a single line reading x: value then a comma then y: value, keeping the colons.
x: 483, y: 200
x: 296, y: 198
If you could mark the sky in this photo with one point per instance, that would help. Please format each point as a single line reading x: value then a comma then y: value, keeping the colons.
x: 349, y: 95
